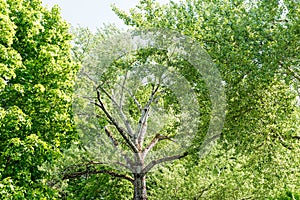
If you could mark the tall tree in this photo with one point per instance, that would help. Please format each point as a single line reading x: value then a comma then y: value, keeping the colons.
x: 36, y: 79
x: 138, y: 112
x: 255, y: 47
x: 258, y: 154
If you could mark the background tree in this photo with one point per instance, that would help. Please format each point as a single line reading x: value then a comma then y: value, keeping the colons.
x: 36, y: 79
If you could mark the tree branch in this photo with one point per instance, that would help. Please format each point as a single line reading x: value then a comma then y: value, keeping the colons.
x: 112, y: 138
x: 103, y: 163
x: 133, y: 97
x: 296, y: 137
x: 86, y: 172
x: 122, y: 115
x: 95, y: 163
x: 202, y: 191
x: 153, y: 142
x: 142, y: 127
x: 161, y: 160
x: 116, y: 144
x: 293, y: 73
x: 114, y: 122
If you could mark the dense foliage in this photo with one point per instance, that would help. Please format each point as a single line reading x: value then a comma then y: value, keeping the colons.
x: 36, y: 79
x: 255, y: 46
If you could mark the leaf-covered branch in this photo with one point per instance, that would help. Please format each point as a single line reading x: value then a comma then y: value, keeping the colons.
x: 293, y: 73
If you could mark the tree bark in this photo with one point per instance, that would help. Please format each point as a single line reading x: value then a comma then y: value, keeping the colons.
x: 140, y: 190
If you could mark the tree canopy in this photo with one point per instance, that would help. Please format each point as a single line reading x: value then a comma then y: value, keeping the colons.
x: 56, y: 145
x: 254, y: 45
x: 36, y: 79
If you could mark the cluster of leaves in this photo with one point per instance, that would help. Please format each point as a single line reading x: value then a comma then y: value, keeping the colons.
x: 288, y: 195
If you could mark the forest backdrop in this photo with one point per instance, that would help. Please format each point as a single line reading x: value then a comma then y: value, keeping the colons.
x: 47, y: 151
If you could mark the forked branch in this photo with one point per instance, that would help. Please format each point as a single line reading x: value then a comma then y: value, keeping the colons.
x: 153, y: 142
x: 293, y: 73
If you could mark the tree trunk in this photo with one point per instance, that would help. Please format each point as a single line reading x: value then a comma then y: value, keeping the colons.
x: 140, y: 190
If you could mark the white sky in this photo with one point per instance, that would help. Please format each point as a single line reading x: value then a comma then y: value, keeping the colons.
x: 92, y: 13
